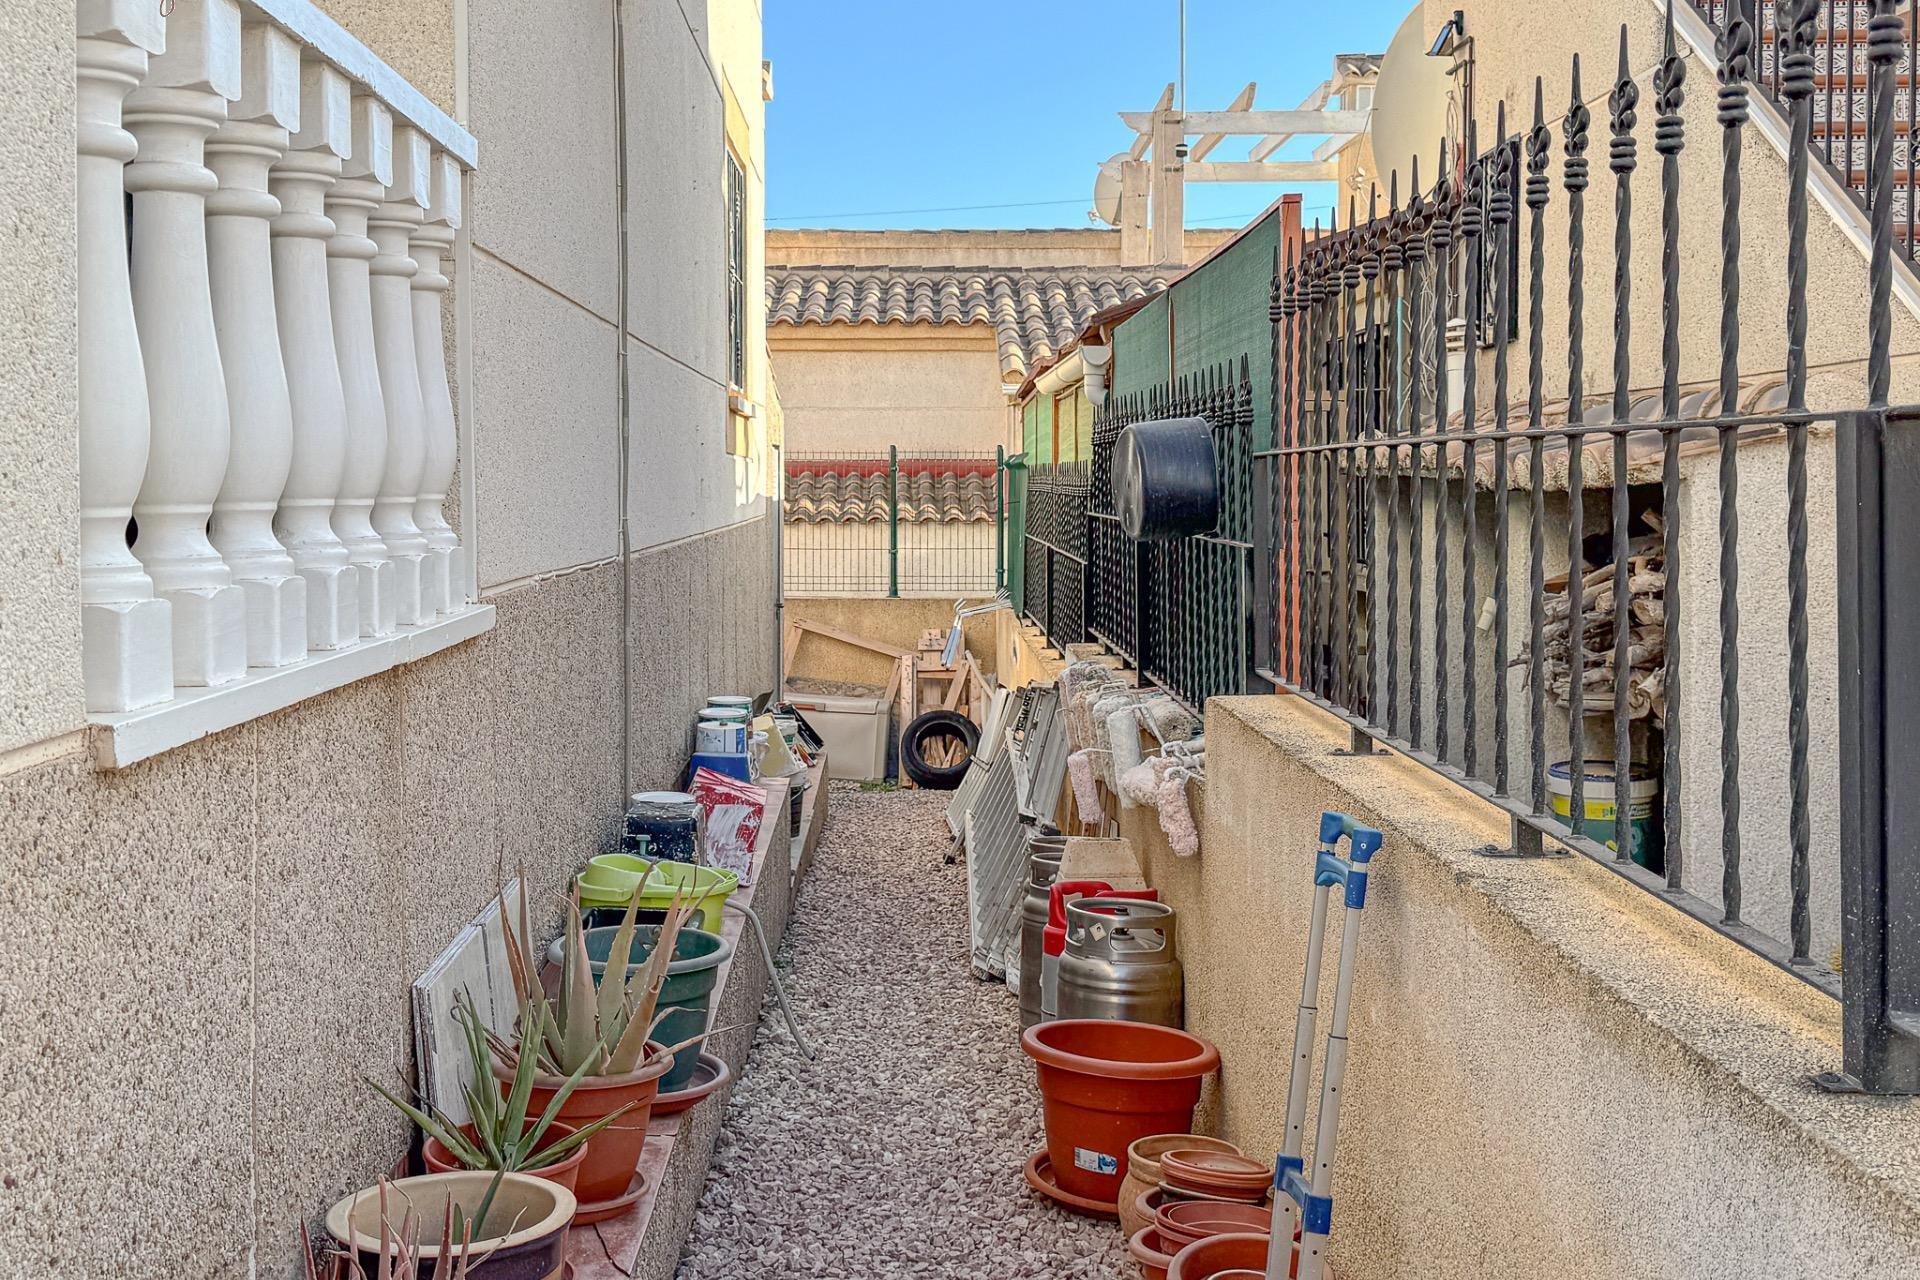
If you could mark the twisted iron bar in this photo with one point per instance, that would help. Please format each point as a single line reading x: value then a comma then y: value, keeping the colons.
x: 1734, y: 48
x: 1500, y: 217
x: 1416, y: 255
x: 1539, y: 189
x: 1622, y: 156
x: 1393, y: 261
x: 1669, y: 137
x: 1472, y: 217
x: 1574, y: 178
x: 1794, y: 22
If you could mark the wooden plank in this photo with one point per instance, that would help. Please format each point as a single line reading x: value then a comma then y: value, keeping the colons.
x: 792, y: 647
x: 907, y: 681
x: 848, y: 637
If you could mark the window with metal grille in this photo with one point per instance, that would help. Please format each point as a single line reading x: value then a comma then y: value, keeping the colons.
x: 736, y: 194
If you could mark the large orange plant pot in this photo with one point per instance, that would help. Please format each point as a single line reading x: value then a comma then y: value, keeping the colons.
x: 613, y: 1154
x: 1106, y: 1084
x: 1227, y: 1256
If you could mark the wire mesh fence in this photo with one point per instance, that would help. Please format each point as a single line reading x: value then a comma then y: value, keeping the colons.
x: 892, y: 522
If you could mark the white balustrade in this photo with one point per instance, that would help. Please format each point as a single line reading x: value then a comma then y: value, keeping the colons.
x: 264, y: 406
x: 127, y: 631
x: 300, y: 181
x: 358, y: 193
x: 240, y: 267
x: 182, y: 100
x: 392, y: 226
x: 444, y: 578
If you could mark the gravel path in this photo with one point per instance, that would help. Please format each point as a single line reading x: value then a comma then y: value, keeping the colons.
x: 898, y: 1152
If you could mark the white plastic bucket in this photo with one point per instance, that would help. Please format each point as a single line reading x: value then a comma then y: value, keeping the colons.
x: 720, y: 737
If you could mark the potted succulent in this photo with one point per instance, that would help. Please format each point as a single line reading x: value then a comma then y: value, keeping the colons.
x: 504, y: 1133
x: 497, y: 1226
x: 591, y: 1046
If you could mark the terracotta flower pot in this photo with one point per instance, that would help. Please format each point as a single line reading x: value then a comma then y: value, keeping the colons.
x: 1106, y: 1084
x: 535, y: 1250
x: 1181, y: 1222
x: 566, y: 1171
x: 612, y: 1155
x: 1219, y: 1175
x: 1223, y: 1257
x: 1143, y: 1171
x: 1146, y: 1249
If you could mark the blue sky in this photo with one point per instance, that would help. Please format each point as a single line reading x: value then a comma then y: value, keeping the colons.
x: 885, y: 106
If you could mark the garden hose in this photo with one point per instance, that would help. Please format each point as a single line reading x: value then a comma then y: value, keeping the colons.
x: 773, y: 976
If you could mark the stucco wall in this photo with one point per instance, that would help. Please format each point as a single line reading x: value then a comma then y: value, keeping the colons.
x: 40, y: 685
x: 918, y: 387
x: 1551, y: 1073
x: 202, y: 955
x: 205, y: 953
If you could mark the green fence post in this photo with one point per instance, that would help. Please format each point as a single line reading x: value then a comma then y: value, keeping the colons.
x: 893, y: 522
x: 1000, y: 518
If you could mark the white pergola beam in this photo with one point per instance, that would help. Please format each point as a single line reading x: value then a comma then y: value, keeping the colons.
x: 1242, y: 101
x: 1273, y: 171
x: 1144, y: 140
x: 1258, y: 122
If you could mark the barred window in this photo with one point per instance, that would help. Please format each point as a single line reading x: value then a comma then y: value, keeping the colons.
x: 736, y: 195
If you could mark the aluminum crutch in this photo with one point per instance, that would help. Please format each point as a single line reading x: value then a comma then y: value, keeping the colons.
x: 1295, y: 1196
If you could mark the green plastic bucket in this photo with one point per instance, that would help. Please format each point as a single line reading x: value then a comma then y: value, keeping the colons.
x: 601, y: 885
x: 1643, y: 811
x: 688, y: 990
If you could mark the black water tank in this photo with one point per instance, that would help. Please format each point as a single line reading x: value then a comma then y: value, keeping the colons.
x: 1165, y: 480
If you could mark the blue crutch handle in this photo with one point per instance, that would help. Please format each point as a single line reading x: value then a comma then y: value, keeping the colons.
x: 1351, y: 873
x: 1365, y: 841
x: 1316, y: 1212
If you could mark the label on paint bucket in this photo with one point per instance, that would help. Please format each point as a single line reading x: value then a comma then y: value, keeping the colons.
x: 1095, y: 1161
x: 720, y: 738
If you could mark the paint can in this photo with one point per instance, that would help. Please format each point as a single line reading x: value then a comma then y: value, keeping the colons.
x: 720, y: 737
x: 1643, y: 812
x: 670, y: 820
x: 735, y: 701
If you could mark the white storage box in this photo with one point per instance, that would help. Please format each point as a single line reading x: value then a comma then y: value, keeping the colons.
x: 855, y: 731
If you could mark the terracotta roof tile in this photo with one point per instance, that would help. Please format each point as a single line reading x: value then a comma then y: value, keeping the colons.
x: 1035, y: 312
x: 855, y: 492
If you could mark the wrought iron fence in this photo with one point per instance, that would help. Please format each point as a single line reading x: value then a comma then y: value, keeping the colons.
x: 1179, y: 610
x: 1054, y: 594
x: 1595, y: 611
x: 888, y: 522
x: 1504, y: 590
x: 1839, y: 96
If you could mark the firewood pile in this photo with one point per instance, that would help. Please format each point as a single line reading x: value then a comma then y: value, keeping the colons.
x: 1646, y: 646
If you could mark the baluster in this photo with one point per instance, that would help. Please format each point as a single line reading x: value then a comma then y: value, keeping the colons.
x: 300, y: 181
x: 391, y: 226
x: 444, y: 582
x: 240, y: 269
x: 363, y: 181
x: 126, y: 629
x: 1622, y: 157
x: 183, y: 100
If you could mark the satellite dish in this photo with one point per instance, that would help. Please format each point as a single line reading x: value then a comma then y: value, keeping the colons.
x: 1410, y: 105
x: 1106, y: 191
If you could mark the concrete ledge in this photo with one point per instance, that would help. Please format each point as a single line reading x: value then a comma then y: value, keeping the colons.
x: 645, y: 1244
x: 1550, y: 1070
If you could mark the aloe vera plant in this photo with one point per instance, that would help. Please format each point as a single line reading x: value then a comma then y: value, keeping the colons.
x: 502, y: 1138
x: 589, y: 1030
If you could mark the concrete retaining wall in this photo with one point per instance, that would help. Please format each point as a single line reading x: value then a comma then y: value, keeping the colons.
x: 1552, y: 1074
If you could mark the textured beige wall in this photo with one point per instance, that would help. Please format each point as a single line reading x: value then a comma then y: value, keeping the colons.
x: 1515, y: 40
x: 895, y: 622
x: 1551, y: 1073
x: 40, y: 680
x: 864, y: 387
x: 203, y: 954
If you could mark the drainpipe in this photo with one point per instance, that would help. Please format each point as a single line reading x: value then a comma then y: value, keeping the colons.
x: 623, y: 420
x: 779, y: 517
